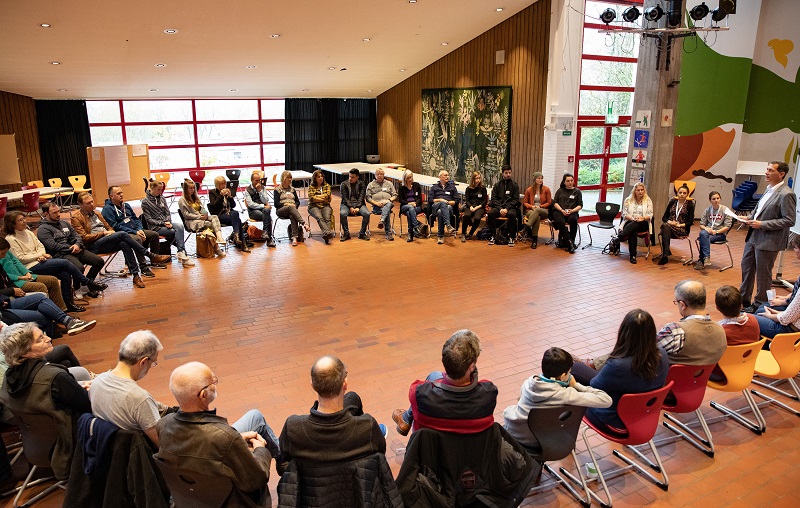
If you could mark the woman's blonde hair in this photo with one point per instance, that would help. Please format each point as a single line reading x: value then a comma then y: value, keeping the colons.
x: 632, y: 197
x: 472, y: 177
x: 219, y: 180
x: 190, y: 197
x: 407, y: 173
x: 286, y: 174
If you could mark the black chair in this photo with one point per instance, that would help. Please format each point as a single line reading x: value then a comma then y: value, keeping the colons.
x: 190, y: 489
x: 233, y: 174
x: 38, y: 440
x: 556, y: 429
x: 607, y: 212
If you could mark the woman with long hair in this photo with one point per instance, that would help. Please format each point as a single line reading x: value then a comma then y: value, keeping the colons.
x: 567, y: 202
x: 411, y: 204
x: 476, y: 198
x: 287, y: 204
x: 197, y: 217
x: 319, y: 204
x: 537, y: 204
x: 636, y: 364
x: 678, y: 219
x: 637, y: 210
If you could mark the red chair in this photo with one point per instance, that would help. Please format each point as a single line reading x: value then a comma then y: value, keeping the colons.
x: 3, y: 206
x: 31, y: 200
x: 639, y: 413
x: 688, y: 391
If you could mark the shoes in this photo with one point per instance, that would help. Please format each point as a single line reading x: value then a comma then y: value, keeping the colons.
x: 94, y: 286
x: 294, y: 242
x: 138, y: 282
x: 384, y: 430
x: 345, y: 236
x: 77, y: 326
x: 751, y: 308
x: 510, y: 242
x: 271, y: 242
x: 700, y: 265
x: 390, y: 237
x: 159, y: 266
x: 234, y: 239
x: 245, y: 248
x: 463, y: 238
x: 664, y: 260
x: 449, y: 230
x: 410, y: 237
x: 440, y: 240
x: 307, y: 227
x: 533, y: 244
x: 71, y: 307
x: 159, y: 258
x: 491, y: 241
x: 380, y: 225
x: 92, y: 294
x: 425, y: 230
x: 146, y: 272
x: 402, y: 426
x: 571, y: 247
x: 363, y: 236
x: 326, y: 238
x: 633, y: 260
x: 219, y: 252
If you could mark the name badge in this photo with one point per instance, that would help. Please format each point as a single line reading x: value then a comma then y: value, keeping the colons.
x: 480, y: 195
x: 572, y: 196
x: 508, y: 192
x: 66, y: 230
x: 127, y: 219
x: 447, y: 192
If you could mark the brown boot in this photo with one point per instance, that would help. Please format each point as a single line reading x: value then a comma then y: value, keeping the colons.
x: 160, y: 258
x: 245, y: 248
x: 236, y: 240
x: 137, y: 281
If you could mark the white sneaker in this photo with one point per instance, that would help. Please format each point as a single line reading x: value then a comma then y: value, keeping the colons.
x: 79, y: 295
x: 184, y: 259
x: 219, y: 252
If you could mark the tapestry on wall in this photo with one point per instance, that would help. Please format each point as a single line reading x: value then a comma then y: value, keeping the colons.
x: 466, y: 130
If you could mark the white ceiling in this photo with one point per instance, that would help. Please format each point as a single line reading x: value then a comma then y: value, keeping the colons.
x: 109, y: 48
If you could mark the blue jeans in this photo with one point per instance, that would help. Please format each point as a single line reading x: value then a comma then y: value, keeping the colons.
x: 443, y: 211
x: 408, y: 416
x: 38, y: 309
x: 232, y: 219
x: 705, y: 240
x: 174, y: 236
x: 254, y: 421
x: 66, y: 272
x: 121, y: 241
x: 385, y: 212
x: 770, y: 328
x: 411, y: 211
x: 344, y: 212
x: 265, y: 216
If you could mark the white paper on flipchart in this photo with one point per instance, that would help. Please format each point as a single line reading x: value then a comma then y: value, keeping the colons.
x: 95, y: 154
x: 139, y: 150
x: 117, y: 169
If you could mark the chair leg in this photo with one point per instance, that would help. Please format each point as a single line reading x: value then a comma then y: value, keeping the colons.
x: 28, y: 483
x: 704, y: 444
x: 758, y: 427
x: 589, y: 229
x: 584, y: 501
x: 691, y: 253
x: 773, y: 386
x: 729, y: 256
x: 663, y: 484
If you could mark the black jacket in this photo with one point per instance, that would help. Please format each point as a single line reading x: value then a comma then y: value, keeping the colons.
x: 363, y: 482
x: 57, y: 237
x: 505, y: 194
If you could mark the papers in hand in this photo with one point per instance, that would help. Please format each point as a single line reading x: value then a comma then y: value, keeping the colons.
x: 730, y: 213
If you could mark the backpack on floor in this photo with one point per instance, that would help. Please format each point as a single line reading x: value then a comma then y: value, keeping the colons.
x: 484, y: 234
x: 206, y: 244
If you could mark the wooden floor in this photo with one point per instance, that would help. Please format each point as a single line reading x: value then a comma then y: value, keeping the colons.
x: 385, y: 308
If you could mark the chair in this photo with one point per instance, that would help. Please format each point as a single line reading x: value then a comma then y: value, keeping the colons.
x: 39, y: 184
x: 688, y: 240
x: 647, y: 237
x: 556, y: 430
x: 197, y: 177
x: 781, y: 363
x: 77, y: 182
x: 723, y: 242
x: 38, y: 440
x: 552, y: 239
x: 607, y: 212
x: 640, y: 413
x: 402, y: 216
x: 193, y: 489
x: 164, y: 178
x: 31, y: 200
x: 233, y: 174
x: 689, y: 183
x: 56, y: 182
x: 105, y: 274
x: 688, y: 390
x: 3, y: 206
x: 738, y: 363
x: 391, y: 218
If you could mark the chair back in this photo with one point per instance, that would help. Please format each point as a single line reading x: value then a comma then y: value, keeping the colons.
x: 607, y: 213
x: 785, y: 348
x: 3, y: 206
x: 190, y: 489
x: 689, y: 183
x: 197, y: 177
x: 31, y: 201
x: 556, y: 429
x: 54, y: 182
x: 183, y: 221
x: 640, y: 413
x: 78, y: 182
x: 162, y: 177
x: 233, y: 186
x: 233, y: 174
x: 38, y: 437
x: 738, y: 364
x: 39, y: 184
x: 689, y: 387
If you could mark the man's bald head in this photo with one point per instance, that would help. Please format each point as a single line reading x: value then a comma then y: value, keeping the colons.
x: 328, y: 376
x: 692, y: 293
x: 188, y: 380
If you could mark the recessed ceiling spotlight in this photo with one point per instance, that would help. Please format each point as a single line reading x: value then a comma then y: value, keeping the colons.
x: 343, y: 69
x: 45, y: 25
x: 499, y: 9
x: 412, y: 1
x: 249, y: 66
x: 304, y: 90
x: 331, y: 68
x: 161, y: 65
x: 275, y: 36
x: 170, y: 31
x: 62, y: 90
x: 369, y: 90
x: 233, y: 90
x: 445, y: 43
x: 365, y: 39
x: 402, y: 70
x: 153, y: 90
x: 55, y: 63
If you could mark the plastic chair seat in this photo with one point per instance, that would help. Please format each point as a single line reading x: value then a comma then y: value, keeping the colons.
x: 767, y: 365
x: 781, y: 363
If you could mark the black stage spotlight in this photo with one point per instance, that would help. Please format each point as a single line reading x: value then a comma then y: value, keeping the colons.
x: 630, y: 14
x: 699, y: 12
x: 653, y: 13
x: 674, y: 18
x: 608, y: 16
x: 725, y: 7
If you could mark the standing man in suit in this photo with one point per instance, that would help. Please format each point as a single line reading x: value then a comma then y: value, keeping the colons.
x: 768, y: 234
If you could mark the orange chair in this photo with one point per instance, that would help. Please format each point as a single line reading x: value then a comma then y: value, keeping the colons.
x: 78, y: 183
x: 168, y: 193
x: 56, y: 182
x: 688, y: 390
x: 738, y: 363
x: 781, y: 363
x: 39, y: 184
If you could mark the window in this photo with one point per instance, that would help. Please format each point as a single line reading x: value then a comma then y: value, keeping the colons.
x: 189, y: 134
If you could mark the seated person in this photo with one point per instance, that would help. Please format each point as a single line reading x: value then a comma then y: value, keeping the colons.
x: 442, y: 200
x: 222, y: 204
x: 476, y: 199
x: 100, y: 238
x: 353, y: 193
x: 157, y: 217
x: 637, y: 210
x: 382, y: 195
x: 505, y: 203
x: 337, y: 429
x: 714, y: 226
x: 677, y: 221
x: 636, y: 364
x: 771, y: 321
x: 455, y: 400
x: 256, y: 199
x: 195, y: 438
x: 740, y: 328
x: 537, y: 202
x: 410, y: 197
x: 319, y: 204
x: 119, y: 215
x: 287, y: 204
x: 34, y: 385
x: 567, y: 202
x: 555, y: 386
x: 196, y: 217
x: 31, y: 283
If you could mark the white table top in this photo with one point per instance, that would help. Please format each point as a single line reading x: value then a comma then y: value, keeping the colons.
x: 343, y: 168
x: 301, y: 175
x: 44, y: 191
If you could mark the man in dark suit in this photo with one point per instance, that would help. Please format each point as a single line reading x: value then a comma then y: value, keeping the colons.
x: 768, y: 234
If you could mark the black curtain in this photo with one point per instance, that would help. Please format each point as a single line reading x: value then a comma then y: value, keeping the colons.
x: 63, y: 138
x: 320, y: 131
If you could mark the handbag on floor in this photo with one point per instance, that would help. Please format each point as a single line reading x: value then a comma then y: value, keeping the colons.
x: 206, y: 244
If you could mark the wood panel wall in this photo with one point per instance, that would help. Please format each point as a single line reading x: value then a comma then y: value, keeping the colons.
x: 18, y: 116
x: 525, y: 39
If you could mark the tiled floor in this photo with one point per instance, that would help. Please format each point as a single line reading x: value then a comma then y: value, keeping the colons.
x: 385, y: 308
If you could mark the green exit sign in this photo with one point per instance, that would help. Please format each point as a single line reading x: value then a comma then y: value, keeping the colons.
x: 566, y: 133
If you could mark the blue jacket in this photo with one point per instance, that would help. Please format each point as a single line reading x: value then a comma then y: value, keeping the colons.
x: 121, y: 219
x: 449, y: 192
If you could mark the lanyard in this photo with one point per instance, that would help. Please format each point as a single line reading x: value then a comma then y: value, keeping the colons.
x: 678, y: 210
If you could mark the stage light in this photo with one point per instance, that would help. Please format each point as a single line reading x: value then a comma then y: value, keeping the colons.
x: 631, y: 14
x: 699, y: 12
x: 653, y: 13
x: 608, y: 16
x: 674, y: 18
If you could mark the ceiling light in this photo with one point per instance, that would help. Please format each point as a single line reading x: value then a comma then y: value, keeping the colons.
x: 45, y: 25
x: 445, y: 43
x: 275, y: 36
x: 343, y: 69
x: 233, y: 90
x: 608, y: 16
x: 369, y: 90
x: 331, y: 68
x: 161, y: 65
x: 249, y: 66
x: 499, y: 9
x: 153, y: 90
x: 412, y: 1
x: 55, y: 63
x: 630, y: 14
x: 402, y: 70
x: 63, y: 90
x: 366, y: 39
x: 699, y: 12
x: 653, y: 13
x: 170, y: 31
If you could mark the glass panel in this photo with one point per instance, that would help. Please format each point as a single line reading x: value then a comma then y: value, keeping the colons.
x: 102, y: 111
x: 596, y: 72
x: 157, y: 111
x: 592, y: 140
x: 227, y: 110
x: 589, y: 172
x: 617, y: 44
x: 590, y: 199
x: 274, y: 131
x: 273, y: 109
x: 614, y: 195
x: 172, y: 158
x: 229, y: 155
x: 106, y: 136
x: 596, y: 103
x: 160, y: 134
x: 616, y: 170
x: 619, y: 139
x: 227, y: 133
x: 595, y: 9
x: 274, y: 154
